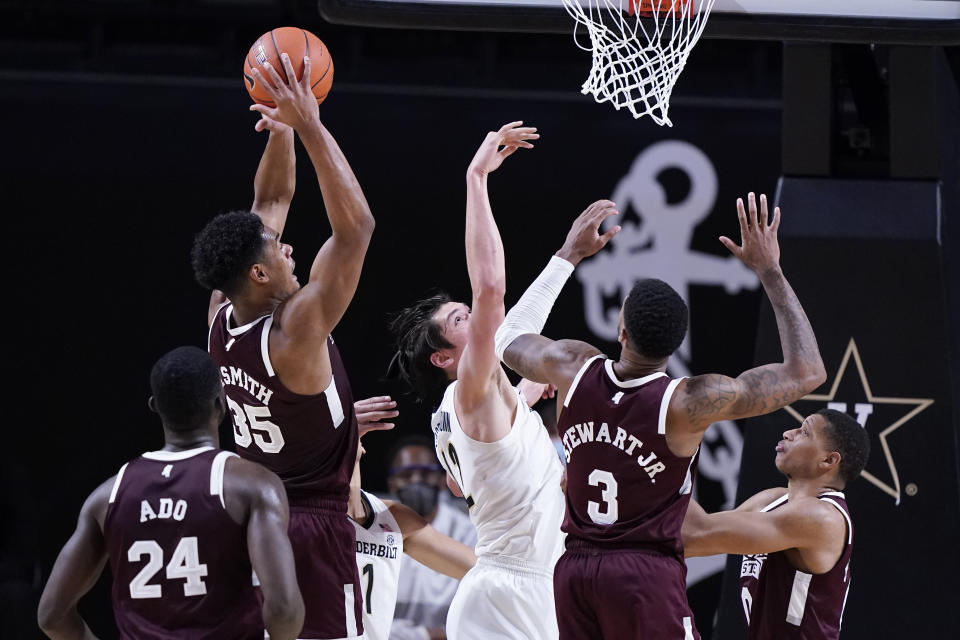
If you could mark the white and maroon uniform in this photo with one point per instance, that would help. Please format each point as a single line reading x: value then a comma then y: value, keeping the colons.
x: 782, y: 602
x: 178, y: 559
x: 310, y: 442
x: 622, y: 575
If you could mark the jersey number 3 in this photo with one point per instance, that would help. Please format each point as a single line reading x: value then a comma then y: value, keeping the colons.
x: 184, y: 565
x: 610, y: 513
x: 249, y: 421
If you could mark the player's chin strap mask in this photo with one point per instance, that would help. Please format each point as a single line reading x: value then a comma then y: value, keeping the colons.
x: 420, y: 496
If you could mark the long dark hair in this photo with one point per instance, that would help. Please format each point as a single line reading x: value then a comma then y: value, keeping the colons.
x: 417, y: 336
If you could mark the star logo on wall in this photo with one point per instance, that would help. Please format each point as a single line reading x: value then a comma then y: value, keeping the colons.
x: 898, y: 412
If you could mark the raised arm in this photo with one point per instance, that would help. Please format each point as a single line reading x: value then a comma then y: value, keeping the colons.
x: 428, y: 546
x: 806, y: 523
x: 76, y: 570
x: 478, y: 368
x: 518, y: 341
x: 276, y: 178
x: 314, y: 312
x: 252, y: 489
x: 702, y: 400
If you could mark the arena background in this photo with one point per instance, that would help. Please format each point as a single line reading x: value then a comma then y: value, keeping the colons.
x: 126, y: 127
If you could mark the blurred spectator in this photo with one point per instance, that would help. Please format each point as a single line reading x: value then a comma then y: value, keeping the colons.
x: 423, y: 595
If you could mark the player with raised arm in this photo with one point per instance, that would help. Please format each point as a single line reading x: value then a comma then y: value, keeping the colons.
x: 631, y: 434
x: 182, y: 528
x: 796, y: 541
x: 286, y: 385
x: 495, y: 450
x: 387, y: 529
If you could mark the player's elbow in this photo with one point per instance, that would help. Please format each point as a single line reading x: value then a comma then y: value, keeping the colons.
x: 490, y: 289
x: 810, y: 375
x: 283, y: 614
x: 50, y: 618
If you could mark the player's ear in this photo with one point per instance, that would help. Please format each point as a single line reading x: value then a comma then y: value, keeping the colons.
x: 833, y: 459
x: 258, y: 273
x: 152, y: 404
x: 220, y: 405
x: 441, y: 359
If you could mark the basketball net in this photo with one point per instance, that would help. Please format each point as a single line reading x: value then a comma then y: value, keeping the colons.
x: 638, y: 54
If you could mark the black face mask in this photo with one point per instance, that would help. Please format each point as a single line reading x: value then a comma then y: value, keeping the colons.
x: 419, y: 496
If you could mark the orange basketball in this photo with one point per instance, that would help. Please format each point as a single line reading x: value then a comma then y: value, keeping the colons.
x: 296, y: 43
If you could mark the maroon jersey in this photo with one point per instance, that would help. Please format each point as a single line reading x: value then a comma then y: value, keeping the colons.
x: 179, y: 561
x: 782, y: 602
x: 624, y: 486
x: 309, y: 441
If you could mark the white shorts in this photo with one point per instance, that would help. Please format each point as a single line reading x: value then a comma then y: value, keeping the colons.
x: 503, y: 600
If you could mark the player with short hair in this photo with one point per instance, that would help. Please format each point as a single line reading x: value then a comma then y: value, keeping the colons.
x: 285, y: 382
x: 494, y: 448
x: 183, y: 529
x: 631, y: 434
x: 797, y: 540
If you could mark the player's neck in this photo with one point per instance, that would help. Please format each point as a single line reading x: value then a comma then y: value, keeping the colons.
x: 808, y: 487
x: 247, y: 310
x: 633, y: 365
x: 183, y: 441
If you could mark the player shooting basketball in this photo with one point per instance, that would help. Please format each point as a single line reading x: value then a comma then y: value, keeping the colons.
x: 625, y: 423
x: 285, y: 382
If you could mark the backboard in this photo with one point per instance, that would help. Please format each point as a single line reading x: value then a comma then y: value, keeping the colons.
x: 927, y: 22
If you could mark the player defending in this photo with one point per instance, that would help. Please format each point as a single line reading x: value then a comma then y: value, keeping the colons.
x: 182, y: 527
x: 495, y: 450
x: 796, y: 541
x: 286, y: 385
x: 631, y: 434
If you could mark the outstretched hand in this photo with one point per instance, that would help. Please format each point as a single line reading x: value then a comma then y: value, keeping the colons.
x: 296, y: 104
x: 534, y: 392
x: 498, y: 145
x: 584, y: 238
x: 371, y: 411
x: 760, y: 250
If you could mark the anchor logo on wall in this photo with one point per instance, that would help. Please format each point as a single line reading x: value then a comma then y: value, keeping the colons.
x: 657, y: 245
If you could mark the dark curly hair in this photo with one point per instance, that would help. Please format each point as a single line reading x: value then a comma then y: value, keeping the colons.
x: 417, y: 336
x: 655, y: 317
x: 849, y: 439
x: 225, y: 249
x: 184, y: 384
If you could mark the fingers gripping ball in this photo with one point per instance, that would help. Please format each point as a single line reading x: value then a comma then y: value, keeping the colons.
x: 297, y: 43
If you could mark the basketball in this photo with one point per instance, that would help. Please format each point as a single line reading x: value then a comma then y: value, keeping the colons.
x: 296, y: 43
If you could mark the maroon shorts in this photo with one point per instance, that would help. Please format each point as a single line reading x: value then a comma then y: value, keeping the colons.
x: 324, y: 550
x: 621, y: 594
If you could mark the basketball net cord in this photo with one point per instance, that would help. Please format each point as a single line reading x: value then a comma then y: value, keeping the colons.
x: 638, y: 54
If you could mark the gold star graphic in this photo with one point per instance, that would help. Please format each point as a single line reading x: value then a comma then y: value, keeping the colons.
x: 918, y: 404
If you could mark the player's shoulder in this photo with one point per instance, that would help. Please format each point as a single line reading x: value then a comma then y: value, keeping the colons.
x: 95, y: 506
x: 408, y: 520
x: 811, y: 518
x: 250, y: 482
x: 760, y: 500
x: 573, y: 353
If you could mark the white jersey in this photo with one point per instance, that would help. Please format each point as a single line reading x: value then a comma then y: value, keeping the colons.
x: 379, y: 551
x: 512, y: 486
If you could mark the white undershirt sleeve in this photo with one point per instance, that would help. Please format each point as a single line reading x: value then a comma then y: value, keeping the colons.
x: 530, y: 313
